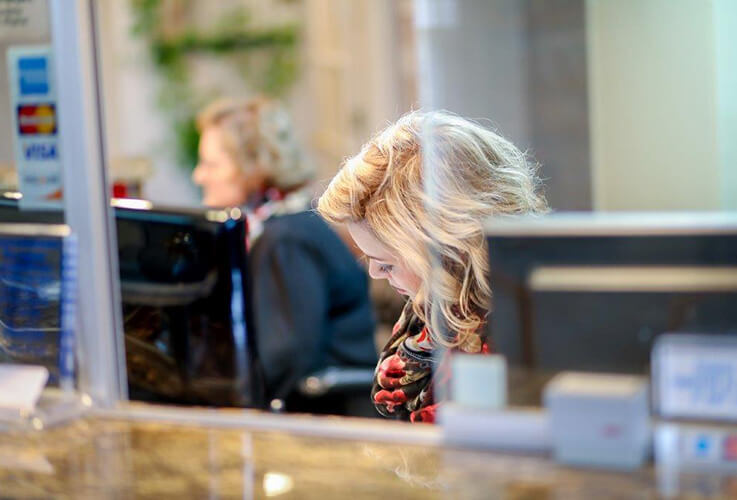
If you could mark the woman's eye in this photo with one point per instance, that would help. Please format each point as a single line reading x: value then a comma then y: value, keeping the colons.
x: 385, y: 268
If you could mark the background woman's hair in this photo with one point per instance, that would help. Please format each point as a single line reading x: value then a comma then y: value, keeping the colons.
x: 259, y: 132
x: 477, y: 174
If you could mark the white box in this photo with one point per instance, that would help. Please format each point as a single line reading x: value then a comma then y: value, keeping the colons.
x: 479, y: 381
x: 599, y: 420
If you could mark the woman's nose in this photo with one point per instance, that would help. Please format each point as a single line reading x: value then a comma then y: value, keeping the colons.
x: 198, y: 175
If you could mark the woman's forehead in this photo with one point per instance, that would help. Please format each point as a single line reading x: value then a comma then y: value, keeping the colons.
x: 210, y: 140
x: 368, y: 242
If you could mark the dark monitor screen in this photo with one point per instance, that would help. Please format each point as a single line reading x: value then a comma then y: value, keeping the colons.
x: 184, y: 289
x: 184, y: 286
x: 591, y: 292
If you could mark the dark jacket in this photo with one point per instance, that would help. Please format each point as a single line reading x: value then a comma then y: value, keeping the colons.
x: 310, y: 302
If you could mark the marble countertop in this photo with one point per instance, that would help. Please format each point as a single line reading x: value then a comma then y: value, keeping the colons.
x: 104, y: 458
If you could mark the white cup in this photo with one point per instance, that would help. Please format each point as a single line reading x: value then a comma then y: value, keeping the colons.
x: 479, y: 381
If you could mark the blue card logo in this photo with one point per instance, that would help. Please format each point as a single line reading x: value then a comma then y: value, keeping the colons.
x: 40, y: 151
x: 33, y: 75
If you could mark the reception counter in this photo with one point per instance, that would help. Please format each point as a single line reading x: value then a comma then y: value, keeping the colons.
x: 115, y: 457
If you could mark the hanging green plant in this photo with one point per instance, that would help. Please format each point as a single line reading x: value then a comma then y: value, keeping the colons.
x: 266, y: 58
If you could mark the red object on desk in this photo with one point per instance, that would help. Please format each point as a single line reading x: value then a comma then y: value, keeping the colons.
x: 120, y: 190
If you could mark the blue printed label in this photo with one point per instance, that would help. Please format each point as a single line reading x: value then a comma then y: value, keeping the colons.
x: 33, y: 75
x: 40, y: 151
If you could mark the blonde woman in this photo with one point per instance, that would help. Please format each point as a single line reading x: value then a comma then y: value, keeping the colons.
x: 310, y: 296
x: 381, y: 195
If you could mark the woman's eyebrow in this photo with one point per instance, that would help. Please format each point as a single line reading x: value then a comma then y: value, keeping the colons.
x: 376, y: 258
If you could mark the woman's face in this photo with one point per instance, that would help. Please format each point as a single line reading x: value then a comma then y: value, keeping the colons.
x: 224, y: 183
x: 383, y: 264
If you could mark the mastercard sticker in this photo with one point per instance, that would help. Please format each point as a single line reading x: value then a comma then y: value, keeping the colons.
x: 36, y: 119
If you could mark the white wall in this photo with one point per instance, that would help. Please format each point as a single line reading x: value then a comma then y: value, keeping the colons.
x: 134, y: 125
x: 653, y: 79
x: 725, y: 23
x: 137, y: 127
x: 35, y: 29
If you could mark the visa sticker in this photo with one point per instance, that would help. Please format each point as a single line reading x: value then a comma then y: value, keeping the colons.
x: 40, y: 151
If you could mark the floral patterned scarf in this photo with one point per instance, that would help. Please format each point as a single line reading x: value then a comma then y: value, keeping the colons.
x: 403, y: 380
x: 270, y: 203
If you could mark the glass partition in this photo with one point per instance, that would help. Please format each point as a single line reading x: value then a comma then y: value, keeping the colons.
x: 53, y: 172
x: 38, y: 275
x: 595, y: 106
x: 617, y: 107
x: 28, y: 141
x: 601, y: 130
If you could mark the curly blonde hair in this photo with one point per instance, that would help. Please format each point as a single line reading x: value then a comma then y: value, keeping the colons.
x: 476, y: 174
x: 259, y: 130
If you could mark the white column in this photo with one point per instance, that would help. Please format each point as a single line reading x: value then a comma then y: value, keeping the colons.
x: 472, y: 60
x: 86, y: 200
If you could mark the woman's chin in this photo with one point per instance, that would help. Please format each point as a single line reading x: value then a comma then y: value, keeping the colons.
x: 216, y: 202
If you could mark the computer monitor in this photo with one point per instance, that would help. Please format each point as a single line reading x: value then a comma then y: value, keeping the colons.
x: 184, y: 286
x: 186, y: 315
x: 35, y: 312
x: 591, y: 292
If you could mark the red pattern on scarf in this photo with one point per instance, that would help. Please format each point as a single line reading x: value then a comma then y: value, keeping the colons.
x: 404, y: 382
